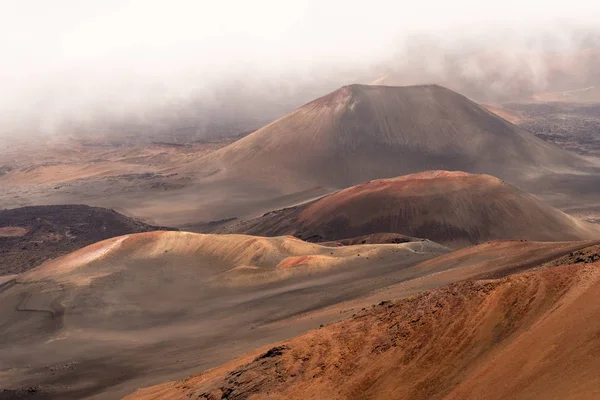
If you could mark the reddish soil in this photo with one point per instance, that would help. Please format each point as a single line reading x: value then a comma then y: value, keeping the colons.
x: 96, y: 311
x: 449, y: 207
x: 528, y: 336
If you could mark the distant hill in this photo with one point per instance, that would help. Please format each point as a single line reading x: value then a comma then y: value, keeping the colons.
x: 31, y: 235
x: 452, y: 208
x: 109, y: 314
x: 352, y: 135
x: 360, y: 132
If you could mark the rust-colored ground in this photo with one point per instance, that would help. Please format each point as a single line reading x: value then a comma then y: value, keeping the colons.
x: 528, y: 336
x: 116, y: 315
x: 449, y: 207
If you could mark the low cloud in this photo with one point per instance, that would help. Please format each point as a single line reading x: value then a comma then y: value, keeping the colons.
x: 185, y: 68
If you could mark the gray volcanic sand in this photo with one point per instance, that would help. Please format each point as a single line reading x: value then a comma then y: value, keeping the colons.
x: 528, y: 336
x: 140, y: 309
x: 146, y: 308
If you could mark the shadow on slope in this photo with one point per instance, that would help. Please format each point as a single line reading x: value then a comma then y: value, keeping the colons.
x: 527, y: 336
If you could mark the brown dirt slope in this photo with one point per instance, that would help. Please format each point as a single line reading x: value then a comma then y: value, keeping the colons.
x: 528, y: 336
x: 364, y: 132
x: 31, y: 235
x: 586, y: 255
x: 452, y: 208
x: 143, y: 308
x: 115, y: 316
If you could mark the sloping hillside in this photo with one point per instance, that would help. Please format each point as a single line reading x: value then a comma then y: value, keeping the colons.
x: 142, y: 308
x: 527, y: 336
x: 145, y: 308
x: 347, y: 137
x: 453, y: 208
x: 361, y: 132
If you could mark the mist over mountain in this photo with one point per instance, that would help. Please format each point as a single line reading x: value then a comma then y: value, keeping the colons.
x: 501, y: 65
x: 192, y: 71
x: 411, y: 187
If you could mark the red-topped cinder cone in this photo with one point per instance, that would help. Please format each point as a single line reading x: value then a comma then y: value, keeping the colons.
x: 450, y: 207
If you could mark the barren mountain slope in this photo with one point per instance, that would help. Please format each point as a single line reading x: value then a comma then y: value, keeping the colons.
x: 453, y: 208
x: 137, y: 309
x: 352, y: 135
x: 527, y: 336
x: 362, y: 132
x: 140, y: 309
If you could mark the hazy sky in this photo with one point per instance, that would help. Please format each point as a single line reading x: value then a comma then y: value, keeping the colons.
x: 61, y: 56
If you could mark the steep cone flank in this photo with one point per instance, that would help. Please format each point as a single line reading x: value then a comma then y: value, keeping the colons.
x: 528, y: 336
x: 361, y: 132
x: 453, y: 208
